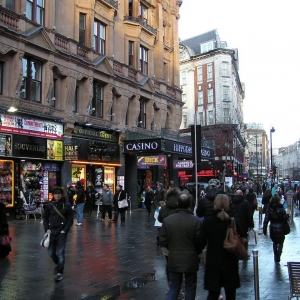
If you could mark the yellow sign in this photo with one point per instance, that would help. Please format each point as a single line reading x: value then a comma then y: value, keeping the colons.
x: 54, y: 150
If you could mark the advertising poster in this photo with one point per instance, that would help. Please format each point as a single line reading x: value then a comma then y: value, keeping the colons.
x: 5, y: 145
x: 54, y: 150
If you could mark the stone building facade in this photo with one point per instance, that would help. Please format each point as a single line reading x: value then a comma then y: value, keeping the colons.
x: 100, y: 69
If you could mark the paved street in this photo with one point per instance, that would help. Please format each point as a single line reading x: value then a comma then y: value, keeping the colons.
x: 113, y: 261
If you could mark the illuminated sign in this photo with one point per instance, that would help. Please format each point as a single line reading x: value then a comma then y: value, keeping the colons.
x: 152, y: 160
x: 142, y: 146
x: 183, y: 164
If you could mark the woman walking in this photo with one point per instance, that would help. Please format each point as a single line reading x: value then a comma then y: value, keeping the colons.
x: 276, y: 215
x: 79, y: 203
x: 149, y: 198
x: 119, y: 196
x: 221, y: 268
x: 266, y: 200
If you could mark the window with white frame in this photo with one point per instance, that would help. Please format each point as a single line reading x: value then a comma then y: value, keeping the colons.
x: 200, y: 74
x: 209, y: 71
x: 200, y: 97
x: 144, y: 60
x: 184, y: 121
x: 184, y: 99
x: 99, y: 36
x: 226, y: 115
x: 31, y: 85
x: 225, y: 69
x: 183, y: 77
x: 35, y: 11
x: 201, y: 118
x: 210, y: 95
x: 207, y: 47
x: 211, y: 117
x: 226, y: 93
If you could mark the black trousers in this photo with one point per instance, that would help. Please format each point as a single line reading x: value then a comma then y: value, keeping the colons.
x: 107, y: 208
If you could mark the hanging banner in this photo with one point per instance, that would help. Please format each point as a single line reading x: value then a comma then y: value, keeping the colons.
x: 152, y: 160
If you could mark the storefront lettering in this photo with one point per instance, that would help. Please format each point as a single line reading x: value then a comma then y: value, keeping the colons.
x: 182, y: 149
x: 29, y: 147
x: 89, y: 132
x: 205, y: 153
x: 142, y: 146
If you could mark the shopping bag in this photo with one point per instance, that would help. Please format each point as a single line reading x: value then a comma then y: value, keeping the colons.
x: 45, y: 240
x: 252, y: 238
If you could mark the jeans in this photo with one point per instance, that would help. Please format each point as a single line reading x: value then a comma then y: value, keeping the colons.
x: 79, y: 212
x: 107, y: 208
x: 117, y: 215
x: 175, y: 285
x: 56, y: 250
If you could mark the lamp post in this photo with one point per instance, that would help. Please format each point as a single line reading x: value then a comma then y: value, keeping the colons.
x: 257, y: 183
x: 271, y: 131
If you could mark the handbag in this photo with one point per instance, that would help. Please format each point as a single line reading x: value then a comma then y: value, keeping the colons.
x: 5, y: 241
x: 123, y: 203
x: 286, y: 228
x: 252, y: 237
x: 233, y: 243
x: 45, y: 242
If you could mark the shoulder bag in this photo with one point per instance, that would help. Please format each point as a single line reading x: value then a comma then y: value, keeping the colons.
x: 286, y: 228
x: 123, y: 203
x: 233, y: 243
x: 60, y: 214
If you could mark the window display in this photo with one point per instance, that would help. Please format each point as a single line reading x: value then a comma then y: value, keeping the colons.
x: 7, y: 182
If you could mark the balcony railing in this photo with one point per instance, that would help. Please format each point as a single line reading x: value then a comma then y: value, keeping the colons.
x: 61, y: 42
x: 9, y: 18
x: 142, y: 23
x: 113, y: 3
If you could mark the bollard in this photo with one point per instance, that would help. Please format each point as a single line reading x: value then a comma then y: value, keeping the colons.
x: 256, y: 275
x: 292, y: 211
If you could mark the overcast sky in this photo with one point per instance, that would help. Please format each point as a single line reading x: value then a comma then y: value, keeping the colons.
x: 267, y: 35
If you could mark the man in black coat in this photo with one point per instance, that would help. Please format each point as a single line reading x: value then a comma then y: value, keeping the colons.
x: 180, y: 234
x: 58, y: 219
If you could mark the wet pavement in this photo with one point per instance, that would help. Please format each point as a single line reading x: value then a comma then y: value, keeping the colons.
x: 122, y: 261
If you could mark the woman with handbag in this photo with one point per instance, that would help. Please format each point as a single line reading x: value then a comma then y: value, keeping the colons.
x: 222, y: 267
x: 5, y: 247
x: 276, y: 215
x: 119, y: 207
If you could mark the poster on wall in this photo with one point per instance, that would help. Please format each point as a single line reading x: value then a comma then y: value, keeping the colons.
x: 99, y: 174
x: 78, y: 173
x: 109, y: 177
x: 5, y: 145
x: 54, y: 150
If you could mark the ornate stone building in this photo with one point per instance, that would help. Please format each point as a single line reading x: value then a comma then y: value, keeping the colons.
x: 100, y: 71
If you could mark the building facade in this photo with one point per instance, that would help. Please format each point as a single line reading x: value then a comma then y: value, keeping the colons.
x: 212, y: 91
x: 93, y: 73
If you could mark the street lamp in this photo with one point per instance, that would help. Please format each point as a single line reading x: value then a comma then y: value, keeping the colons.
x: 257, y: 183
x: 271, y: 131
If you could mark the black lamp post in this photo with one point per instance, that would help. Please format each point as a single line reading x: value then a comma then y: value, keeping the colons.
x: 271, y: 131
x: 257, y: 182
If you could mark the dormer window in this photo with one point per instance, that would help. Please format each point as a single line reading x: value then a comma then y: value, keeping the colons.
x: 207, y: 47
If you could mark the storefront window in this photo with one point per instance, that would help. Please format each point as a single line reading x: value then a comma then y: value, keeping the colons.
x: 7, y: 182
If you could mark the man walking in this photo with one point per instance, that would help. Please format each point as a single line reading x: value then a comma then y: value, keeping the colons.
x: 107, y: 202
x: 180, y: 235
x: 58, y: 219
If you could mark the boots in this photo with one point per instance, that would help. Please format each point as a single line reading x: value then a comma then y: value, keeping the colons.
x: 277, y: 248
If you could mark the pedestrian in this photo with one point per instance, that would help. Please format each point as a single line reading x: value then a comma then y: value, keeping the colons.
x: 289, y: 197
x: 107, y: 202
x: 119, y: 196
x: 221, y: 267
x: 180, y: 235
x: 4, y: 251
x: 276, y: 215
x: 58, y: 219
x: 71, y: 192
x: 252, y: 200
x: 90, y: 193
x: 158, y: 224
x: 243, y: 213
x: 274, y: 189
x: 264, y: 187
x: 159, y: 194
x: 79, y: 203
x: 149, y: 199
x: 266, y: 200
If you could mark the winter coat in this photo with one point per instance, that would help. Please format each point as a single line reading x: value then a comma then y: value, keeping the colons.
x: 243, y: 213
x: 80, y: 194
x: 276, y: 215
x: 71, y: 192
x: 53, y: 221
x: 265, y: 201
x: 170, y: 207
x: 251, y: 198
x: 159, y: 195
x: 107, y: 197
x: 122, y: 194
x: 90, y: 193
x: 220, y: 264
x: 149, y: 197
x: 180, y: 235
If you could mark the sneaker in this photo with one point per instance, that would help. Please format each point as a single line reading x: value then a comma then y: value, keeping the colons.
x: 58, y: 277
x: 78, y: 224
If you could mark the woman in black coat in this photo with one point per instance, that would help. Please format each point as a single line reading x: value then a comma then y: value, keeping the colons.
x: 251, y: 198
x: 221, y: 268
x: 119, y: 196
x: 265, y: 201
x: 3, y: 229
x: 90, y: 193
x: 149, y: 198
x: 276, y: 215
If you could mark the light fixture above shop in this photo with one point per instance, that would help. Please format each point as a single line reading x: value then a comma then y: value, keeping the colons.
x: 88, y: 123
x: 12, y: 109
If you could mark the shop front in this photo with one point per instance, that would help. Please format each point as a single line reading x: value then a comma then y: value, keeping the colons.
x: 93, y: 155
x: 31, y: 156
